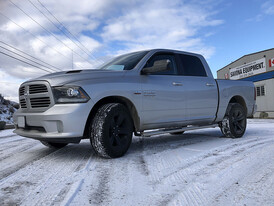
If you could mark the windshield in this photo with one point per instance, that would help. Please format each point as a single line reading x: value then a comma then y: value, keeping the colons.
x: 124, y: 62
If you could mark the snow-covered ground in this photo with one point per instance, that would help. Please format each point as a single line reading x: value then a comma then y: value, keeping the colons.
x: 197, y: 168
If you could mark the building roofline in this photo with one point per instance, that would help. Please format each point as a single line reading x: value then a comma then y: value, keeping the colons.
x: 246, y: 56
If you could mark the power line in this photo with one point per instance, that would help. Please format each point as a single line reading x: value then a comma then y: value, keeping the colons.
x: 46, y: 29
x: 27, y: 58
x: 33, y: 35
x: 67, y: 29
x: 30, y: 55
x: 61, y: 29
x: 24, y: 62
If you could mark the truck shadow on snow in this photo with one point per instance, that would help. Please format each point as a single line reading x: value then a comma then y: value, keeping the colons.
x: 155, y: 144
x: 149, y: 145
x: 169, y: 142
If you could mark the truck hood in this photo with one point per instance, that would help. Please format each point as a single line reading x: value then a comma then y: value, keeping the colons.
x: 67, y: 77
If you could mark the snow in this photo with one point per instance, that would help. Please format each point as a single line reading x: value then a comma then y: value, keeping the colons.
x: 197, y: 168
x: 7, y: 109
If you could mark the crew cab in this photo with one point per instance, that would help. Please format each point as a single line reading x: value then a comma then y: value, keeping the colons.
x: 146, y: 93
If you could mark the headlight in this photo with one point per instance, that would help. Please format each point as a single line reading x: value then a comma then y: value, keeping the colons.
x: 69, y: 94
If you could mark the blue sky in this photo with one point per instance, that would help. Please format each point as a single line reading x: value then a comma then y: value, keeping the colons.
x: 222, y: 31
x: 247, y: 28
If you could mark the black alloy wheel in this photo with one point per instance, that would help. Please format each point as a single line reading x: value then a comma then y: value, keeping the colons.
x: 111, y: 130
x: 234, y: 123
x: 119, y: 128
x: 238, y: 120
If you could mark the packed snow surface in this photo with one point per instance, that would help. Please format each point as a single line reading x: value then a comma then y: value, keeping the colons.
x: 197, y: 168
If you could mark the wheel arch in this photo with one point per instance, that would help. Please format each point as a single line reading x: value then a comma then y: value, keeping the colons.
x: 113, y: 99
x: 240, y: 100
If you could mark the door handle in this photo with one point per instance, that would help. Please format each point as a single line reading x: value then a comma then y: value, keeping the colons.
x: 177, y: 84
x: 210, y: 85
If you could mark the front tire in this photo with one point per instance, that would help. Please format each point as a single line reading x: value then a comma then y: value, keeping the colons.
x: 234, y: 123
x: 111, y: 130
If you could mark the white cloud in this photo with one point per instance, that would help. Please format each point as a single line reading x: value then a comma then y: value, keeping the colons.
x: 98, y: 25
x: 160, y: 24
x: 27, y: 23
x: 268, y: 7
x: 9, y: 86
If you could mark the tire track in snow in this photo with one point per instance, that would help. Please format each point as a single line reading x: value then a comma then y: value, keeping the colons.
x: 188, y: 176
x: 166, y: 163
x: 75, y: 185
x: 162, y: 146
x: 41, y: 173
x: 60, y: 178
x: 72, y: 191
x: 247, y: 185
x: 16, y: 148
x: 9, y: 169
x: 141, y: 158
x: 199, y: 181
x: 217, y: 160
x: 7, y: 136
x: 101, y: 193
x: 159, y: 166
x: 229, y: 176
x: 112, y: 181
x: 12, y: 139
x: 92, y: 182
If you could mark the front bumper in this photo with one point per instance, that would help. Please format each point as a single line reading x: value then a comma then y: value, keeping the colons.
x: 61, y: 123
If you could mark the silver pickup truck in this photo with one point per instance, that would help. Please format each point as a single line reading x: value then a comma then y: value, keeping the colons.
x: 145, y: 93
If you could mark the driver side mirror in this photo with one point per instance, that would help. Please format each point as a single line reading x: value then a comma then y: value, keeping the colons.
x: 158, y: 66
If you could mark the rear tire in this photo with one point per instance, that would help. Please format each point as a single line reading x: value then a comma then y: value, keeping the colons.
x: 111, y: 131
x: 54, y: 145
x: 234, y: 122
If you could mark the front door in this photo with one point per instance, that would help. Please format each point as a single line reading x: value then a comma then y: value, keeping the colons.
x: 163, y: 95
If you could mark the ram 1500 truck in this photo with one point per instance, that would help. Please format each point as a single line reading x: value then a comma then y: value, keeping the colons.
x: 145, y: 93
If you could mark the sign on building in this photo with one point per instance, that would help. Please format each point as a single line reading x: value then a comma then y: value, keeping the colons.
x: 271, y: 62
x: 247, y: 70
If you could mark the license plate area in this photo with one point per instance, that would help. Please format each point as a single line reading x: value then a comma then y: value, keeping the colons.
x: 21, y: 122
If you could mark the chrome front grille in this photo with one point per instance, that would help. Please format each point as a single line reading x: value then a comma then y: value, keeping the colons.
x: 35, y: 96
x: 37, y: 88
x: 39, y: 102
x: 21, y: 91
x: 23, y: 103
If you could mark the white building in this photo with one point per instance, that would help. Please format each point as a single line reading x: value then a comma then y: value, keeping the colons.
x: 259, y: 68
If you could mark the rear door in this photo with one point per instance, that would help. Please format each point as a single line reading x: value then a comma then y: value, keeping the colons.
x: 200, y: 89
x: 163, y: 95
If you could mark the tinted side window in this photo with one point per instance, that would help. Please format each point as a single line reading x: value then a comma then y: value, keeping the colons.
x: 191, y: 66
x: 172, y: 71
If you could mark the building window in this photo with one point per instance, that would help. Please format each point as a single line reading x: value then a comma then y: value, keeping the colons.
x: 260, y: 91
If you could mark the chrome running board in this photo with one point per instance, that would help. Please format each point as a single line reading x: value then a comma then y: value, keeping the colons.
x: 169, y: 130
